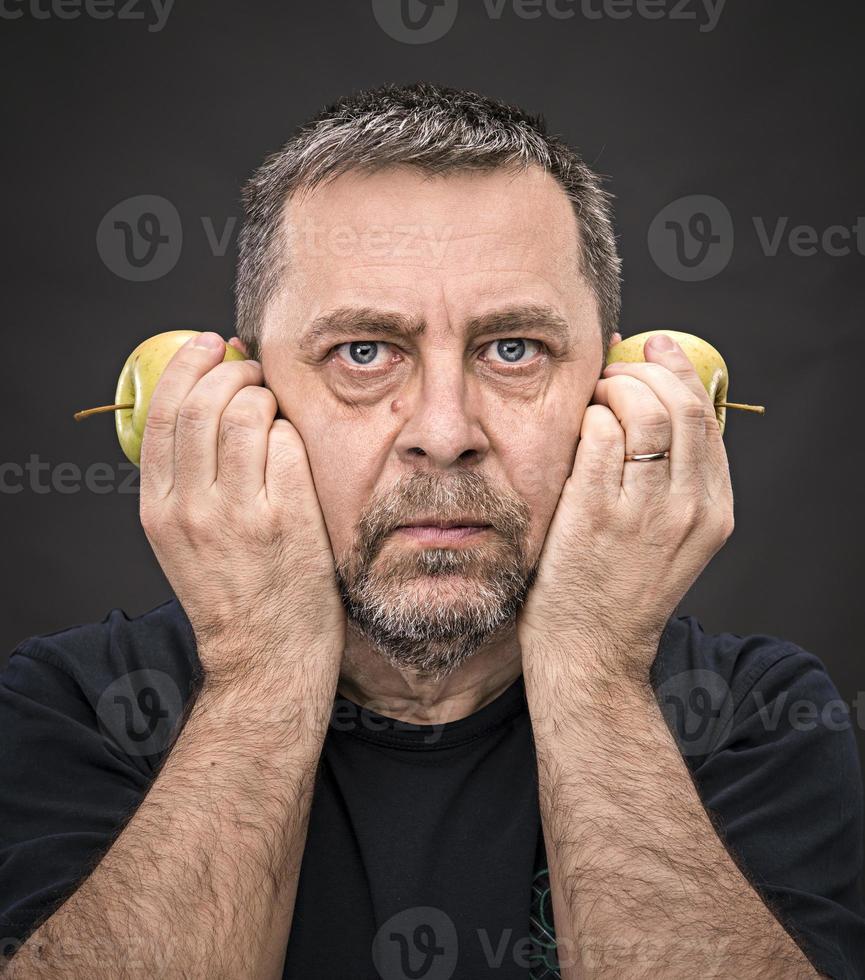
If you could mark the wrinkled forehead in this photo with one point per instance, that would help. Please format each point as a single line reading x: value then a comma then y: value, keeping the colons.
x: 399, y: 216
x: 411, y: 242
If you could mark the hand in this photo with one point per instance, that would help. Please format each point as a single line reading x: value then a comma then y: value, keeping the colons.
x: 229, y: 506
x: 628, y: 539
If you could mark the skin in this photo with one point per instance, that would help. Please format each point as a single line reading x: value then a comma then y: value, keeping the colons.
x: 641, y: 883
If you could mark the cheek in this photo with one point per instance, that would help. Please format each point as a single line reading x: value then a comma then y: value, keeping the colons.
x: 345, y: 466
x: 539, y: 461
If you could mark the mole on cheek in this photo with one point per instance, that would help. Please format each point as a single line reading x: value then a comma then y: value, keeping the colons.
x: 395, y: 405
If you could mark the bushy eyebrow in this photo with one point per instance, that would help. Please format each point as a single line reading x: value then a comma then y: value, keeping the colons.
x: 360, y: 323
x: 369, y: 324
x: 513, y: 321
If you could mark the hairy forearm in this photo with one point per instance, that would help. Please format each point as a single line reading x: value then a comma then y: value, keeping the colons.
x: 642, y: 885
x: 201, y: 882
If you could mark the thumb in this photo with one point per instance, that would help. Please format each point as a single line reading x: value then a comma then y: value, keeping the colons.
x: 661, y: 349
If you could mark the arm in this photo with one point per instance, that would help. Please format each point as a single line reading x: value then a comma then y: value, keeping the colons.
x: 201, y: 881
x: 205, y: 872
x: 641, y: 883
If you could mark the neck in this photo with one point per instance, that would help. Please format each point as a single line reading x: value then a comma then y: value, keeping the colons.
x: 367, y: 679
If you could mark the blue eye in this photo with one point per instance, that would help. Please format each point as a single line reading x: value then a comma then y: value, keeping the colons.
x: 511, y: 350
x: 361, y: 352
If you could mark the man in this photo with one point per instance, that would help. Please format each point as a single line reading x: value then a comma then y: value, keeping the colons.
x: 422, y: 707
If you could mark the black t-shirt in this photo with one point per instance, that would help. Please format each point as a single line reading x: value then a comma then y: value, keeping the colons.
x: 424, y: 856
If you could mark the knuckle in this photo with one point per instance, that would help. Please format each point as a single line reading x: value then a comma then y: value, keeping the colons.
x: 194, y: 412
x: 657, y: 424
x: 262, y: 398
x: 161, y: 417
x: 625, y: 382
x: 597, y: 415
x: 285, y: 441
x: 728, y: 525
x: 604, y: 445
x: 252, y: 407
x: 160, y: 519
x: 694, y: 410
x: 601, y: 425
x: 184, y: 367
x: 232, y: 373
x: 691, y: 512
x: 149, y: 517
x: 221, y: 373
x: 241, y: 416
x: 651, y: 367
x: 195, y: 522
x: 266, y: 533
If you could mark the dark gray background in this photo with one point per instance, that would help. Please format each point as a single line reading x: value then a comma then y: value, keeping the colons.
x: 762, y: 113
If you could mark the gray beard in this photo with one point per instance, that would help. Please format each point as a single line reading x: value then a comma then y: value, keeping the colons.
x: 429, y: 611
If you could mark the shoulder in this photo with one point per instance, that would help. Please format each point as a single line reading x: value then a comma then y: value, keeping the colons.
x: 738, y: 660
x: 87, y: 714
x: 160, y: 639
x: 715, y: 687
x: 105, y: 674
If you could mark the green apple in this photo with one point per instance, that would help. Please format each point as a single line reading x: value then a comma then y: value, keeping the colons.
x: 142, y: 370
x: 708, y: 363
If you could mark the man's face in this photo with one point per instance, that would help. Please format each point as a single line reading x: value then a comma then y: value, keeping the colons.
x: 435, y: 345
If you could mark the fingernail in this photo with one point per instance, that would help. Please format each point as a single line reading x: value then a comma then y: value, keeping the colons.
x: 209, y: 340
x: 661, y: 342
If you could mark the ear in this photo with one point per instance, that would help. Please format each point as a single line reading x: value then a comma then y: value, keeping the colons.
x: 239, y: 344
x: 615, y: 339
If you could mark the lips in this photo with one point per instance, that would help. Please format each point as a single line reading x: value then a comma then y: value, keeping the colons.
x: 444, y: 525
x: 433, y: 531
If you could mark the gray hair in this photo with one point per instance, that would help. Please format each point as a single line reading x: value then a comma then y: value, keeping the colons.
x: 438, y: 130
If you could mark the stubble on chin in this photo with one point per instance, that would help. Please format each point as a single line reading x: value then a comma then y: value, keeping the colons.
x: 429, y: 609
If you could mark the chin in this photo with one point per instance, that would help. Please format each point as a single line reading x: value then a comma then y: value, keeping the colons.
x: 434, y: 622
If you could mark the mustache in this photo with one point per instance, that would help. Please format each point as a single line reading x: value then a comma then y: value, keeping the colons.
x: 448, y: 498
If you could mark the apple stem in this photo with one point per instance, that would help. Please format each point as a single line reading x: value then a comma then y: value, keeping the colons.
x: 745, y: 408
x: 87, y: 412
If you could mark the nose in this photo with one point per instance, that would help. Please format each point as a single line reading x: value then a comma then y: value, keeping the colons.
x: 442, y: 424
